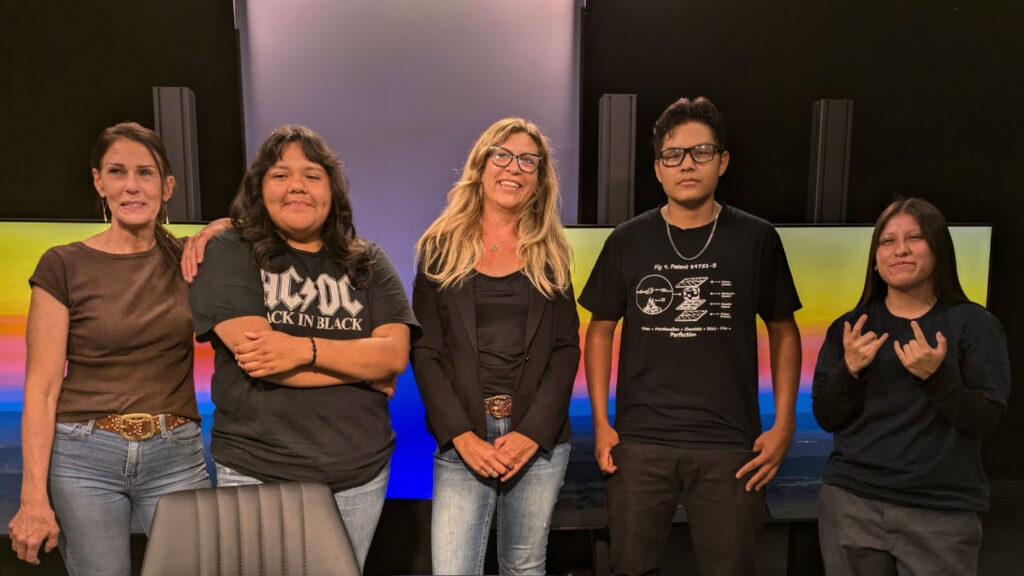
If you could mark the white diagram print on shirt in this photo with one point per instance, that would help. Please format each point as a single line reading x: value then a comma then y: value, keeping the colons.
x: 654, y: 294
x: 692, y: 301
x: 695, y: 304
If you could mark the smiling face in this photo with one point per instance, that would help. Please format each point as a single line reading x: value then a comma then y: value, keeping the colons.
x: 128, y: 178
x: 690, y: 185
x: 904, y: 259
x: 508, y: 189
x: 297, y: 195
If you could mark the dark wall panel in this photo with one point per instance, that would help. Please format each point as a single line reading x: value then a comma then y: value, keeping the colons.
x: 937, y: 113
x: 69, y: 69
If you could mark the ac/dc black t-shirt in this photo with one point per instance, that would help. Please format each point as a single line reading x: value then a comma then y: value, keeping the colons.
x: 688, y: 371
x: 337, y: 435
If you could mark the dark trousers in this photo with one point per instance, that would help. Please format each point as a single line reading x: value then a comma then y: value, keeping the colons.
x: 642, y: 494
x: 863, y: 537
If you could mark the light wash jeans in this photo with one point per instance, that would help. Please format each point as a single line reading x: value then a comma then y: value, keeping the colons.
x: 100, y: 481
x: 360, y: 507
x: 464, y: 503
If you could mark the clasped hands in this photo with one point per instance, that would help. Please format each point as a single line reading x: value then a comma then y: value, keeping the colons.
x: 919, y: 357
x: 503, y: 459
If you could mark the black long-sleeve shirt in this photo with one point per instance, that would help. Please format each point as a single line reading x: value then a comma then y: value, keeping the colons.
x: 910, y: 441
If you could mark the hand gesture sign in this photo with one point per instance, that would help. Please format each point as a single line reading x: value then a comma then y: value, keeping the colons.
x: 918, y: 356
x: 860, y: 349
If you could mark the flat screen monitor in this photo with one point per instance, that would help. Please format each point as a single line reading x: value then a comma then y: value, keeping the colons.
x: 828, y: 265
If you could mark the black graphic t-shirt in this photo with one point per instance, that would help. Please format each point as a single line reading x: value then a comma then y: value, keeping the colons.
x: 688, y: 356
x: 337, y: 435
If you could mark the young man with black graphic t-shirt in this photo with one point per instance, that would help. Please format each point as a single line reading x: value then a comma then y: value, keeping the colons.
x: 689, y: 279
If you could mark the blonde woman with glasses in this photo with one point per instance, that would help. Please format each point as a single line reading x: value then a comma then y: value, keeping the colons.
x: 498, y: 353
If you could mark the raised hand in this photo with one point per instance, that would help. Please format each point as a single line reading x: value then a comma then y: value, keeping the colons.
x: 195, y: 247
x: 918, y: 356
x: 859, y: 349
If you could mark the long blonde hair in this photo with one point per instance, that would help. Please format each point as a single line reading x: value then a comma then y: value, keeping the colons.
x: 452, y: 246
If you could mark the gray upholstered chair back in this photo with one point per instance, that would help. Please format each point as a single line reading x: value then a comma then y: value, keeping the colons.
x: 260, y: 529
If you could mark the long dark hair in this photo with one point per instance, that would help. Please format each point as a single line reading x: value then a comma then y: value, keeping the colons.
x: 169, y: 245
x: 249, y: 214
x: 945, y: 279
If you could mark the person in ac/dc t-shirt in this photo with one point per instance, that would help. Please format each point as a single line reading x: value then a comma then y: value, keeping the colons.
x: 310, y: 326
x: 688, y: 280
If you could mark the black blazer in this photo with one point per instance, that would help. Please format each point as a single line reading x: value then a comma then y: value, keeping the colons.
x: 444, y: 360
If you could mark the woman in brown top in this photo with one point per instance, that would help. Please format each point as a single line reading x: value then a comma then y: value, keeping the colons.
x: 120, y: 428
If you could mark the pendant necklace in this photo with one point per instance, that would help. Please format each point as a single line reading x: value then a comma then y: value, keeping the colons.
x: 668, y: 231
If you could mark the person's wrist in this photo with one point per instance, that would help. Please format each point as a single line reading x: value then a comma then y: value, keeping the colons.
x: 851, y: 371
x: 312, y: 343
x: 36, y: 503
x: 459, y: 440
x: 785, y: 424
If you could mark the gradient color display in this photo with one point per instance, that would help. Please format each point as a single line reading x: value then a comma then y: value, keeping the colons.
x: 828, y: 264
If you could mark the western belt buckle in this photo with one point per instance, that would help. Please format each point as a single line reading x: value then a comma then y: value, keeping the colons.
x: 134, y: 426
x: 499, y: 406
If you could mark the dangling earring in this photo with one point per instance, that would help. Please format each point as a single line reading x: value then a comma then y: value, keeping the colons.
x: 167, y: 216
x: 103, y: 208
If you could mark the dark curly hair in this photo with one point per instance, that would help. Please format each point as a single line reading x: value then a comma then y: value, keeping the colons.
x: 249, y: 214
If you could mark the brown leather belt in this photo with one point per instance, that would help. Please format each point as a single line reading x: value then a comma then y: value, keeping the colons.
x: 498, y: 406
x: 139, y: 426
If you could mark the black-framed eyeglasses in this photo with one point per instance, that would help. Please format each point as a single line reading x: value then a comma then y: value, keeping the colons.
x: 701, y: 154
x: 502, y: 157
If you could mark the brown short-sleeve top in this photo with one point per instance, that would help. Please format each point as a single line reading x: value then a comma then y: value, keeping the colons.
x: 130, y: 336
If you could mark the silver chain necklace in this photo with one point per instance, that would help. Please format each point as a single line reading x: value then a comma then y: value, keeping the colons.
x: 668, y: 231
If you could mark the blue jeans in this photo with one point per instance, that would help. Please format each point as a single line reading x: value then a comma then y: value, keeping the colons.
x: 100, y: 481
x: 360, y: 507
x: 464, y: 503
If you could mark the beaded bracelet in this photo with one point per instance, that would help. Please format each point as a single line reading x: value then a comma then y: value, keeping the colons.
x: 313, y: 343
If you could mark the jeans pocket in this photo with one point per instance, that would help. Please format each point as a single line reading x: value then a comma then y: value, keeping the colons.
x: 70, y: 430
x: 186, y: 434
